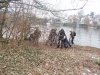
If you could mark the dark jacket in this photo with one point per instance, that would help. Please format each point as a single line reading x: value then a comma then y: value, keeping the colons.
x: 61, y: 34
x: 66, y: 43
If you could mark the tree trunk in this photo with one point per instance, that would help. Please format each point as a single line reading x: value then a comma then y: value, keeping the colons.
x: 0, y: 31
x: 3, y: 22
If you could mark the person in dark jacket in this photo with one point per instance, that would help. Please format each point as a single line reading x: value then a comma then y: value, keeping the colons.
x: 61, y: 36
x: 31, y: 37
x: 66, y: 43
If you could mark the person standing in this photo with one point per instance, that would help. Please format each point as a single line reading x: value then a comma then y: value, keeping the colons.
x: 37, y: 35
x: 61, y: 36
x: 72, y: 35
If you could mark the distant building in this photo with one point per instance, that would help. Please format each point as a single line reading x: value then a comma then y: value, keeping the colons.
x: 87, y: 20
x: 97, y: 19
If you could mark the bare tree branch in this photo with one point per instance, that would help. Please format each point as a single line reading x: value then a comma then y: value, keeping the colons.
x: 4, y: 5
x: 38, y: 5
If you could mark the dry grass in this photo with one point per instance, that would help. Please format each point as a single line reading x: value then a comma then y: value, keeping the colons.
x: 43, y: 60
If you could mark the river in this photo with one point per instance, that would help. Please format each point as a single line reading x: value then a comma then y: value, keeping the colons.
x: 84, y: 36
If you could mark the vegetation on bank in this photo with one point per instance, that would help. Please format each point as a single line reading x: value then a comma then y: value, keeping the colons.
x: 27, y: 59
x: 18, y: 57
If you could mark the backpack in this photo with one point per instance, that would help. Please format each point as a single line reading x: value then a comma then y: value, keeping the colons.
x: 74, y: 33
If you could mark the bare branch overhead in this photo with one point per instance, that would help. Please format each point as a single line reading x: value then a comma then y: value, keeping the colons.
x: 40, y: 6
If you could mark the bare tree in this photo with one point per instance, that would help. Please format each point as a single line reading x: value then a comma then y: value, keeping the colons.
x: 4, y: 3
x: 23, y: 17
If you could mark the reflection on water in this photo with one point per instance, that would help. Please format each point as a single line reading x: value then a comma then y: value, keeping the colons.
x: 84, y: 36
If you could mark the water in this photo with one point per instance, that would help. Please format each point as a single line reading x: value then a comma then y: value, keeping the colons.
x: 84, y: 36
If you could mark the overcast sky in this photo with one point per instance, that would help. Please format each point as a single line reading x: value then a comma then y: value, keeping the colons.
x: 92, y: 5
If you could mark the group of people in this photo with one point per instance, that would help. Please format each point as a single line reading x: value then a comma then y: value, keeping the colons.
x: 59, y: 39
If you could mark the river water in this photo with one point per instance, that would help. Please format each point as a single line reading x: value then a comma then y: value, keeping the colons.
x: 84, y: 36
